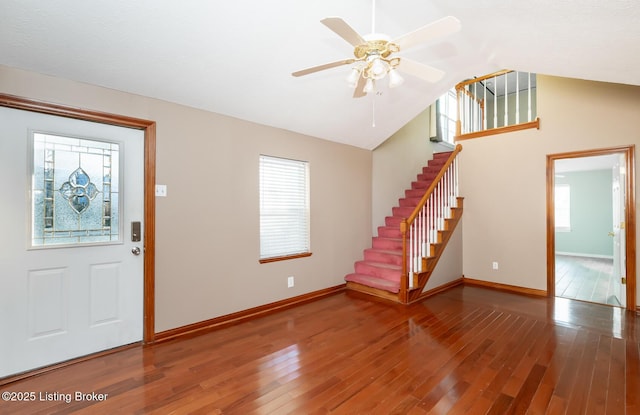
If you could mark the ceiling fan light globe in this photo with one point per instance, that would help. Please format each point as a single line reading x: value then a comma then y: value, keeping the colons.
x: 378, y: 69
x: 395, y: 79
x: 352, y: 79
x: 369, y: 86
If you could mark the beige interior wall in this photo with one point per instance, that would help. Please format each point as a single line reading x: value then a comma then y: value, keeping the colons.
x: 503, y: 177
x: 396, y: 163
x: 207, y: 229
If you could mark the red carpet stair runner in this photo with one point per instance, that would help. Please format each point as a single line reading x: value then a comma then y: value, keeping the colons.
x: 380, y: 272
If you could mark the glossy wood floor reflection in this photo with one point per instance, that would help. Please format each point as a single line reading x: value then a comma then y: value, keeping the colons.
x: 464, y: 351
x: 588, y: 279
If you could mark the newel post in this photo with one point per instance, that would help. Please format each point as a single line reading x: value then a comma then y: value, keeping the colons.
x: 404, y: 279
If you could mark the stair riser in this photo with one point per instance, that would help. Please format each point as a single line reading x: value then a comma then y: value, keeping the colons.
x: 426, y: 177
x: 403, y: 212
x: 437, y: 162
x: 409, y: 202
x: 385, y: 258
x: 387, y: 232
x: 366, y: 280
x: 363, y: 267
x: 387, y: 244
x: 393, y: 221
x: 414, y: 192
x: 420, y: 185
x: 431, y: 170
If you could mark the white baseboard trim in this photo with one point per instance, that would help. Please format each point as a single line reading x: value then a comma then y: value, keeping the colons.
x: 584, y: 255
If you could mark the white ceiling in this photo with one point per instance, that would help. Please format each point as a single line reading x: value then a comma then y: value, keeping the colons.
x: 236, y: 57
x: 590, y: 163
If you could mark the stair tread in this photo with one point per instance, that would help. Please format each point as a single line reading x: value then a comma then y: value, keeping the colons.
x: 388, y: 238
x: 395, y: 227
x: 381, y: 265
x: 385, y: 251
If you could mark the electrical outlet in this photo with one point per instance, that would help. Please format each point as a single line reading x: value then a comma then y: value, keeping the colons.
x: 495, y: 265
x: 290, y: 282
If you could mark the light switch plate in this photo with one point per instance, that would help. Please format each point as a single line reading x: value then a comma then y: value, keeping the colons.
x: 161, y: 190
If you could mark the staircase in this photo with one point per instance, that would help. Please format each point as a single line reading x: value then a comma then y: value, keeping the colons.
x: 409, y: 245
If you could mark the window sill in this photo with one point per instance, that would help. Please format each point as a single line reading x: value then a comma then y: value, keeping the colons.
x: 284, y: 258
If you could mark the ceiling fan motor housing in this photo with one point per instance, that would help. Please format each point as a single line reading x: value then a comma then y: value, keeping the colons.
x: 380, y: 47
x: 375, y: 52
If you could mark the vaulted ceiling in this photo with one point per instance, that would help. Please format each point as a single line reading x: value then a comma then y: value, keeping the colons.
x: 236, y: 57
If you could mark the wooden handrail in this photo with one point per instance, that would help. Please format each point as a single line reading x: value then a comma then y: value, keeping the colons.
x: 500, y: 130
x: 482, y: 78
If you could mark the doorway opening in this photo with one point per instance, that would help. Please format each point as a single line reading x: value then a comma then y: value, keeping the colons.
x: 591, y: 226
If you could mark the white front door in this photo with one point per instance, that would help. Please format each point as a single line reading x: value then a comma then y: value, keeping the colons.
x: 70, y: 282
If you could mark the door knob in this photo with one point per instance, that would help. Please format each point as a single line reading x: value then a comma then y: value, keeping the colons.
x: 135, y: 251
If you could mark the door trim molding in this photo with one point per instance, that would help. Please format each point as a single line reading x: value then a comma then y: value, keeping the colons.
x: 149, y: 128
x: 630, y: 216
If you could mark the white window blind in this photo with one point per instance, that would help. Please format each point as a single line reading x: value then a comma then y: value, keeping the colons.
x: 284, y: 207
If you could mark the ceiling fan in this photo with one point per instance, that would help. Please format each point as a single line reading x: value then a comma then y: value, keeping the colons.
x: 374, y: 54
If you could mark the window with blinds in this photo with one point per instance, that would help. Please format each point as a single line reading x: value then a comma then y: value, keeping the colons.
x: 284, y: 209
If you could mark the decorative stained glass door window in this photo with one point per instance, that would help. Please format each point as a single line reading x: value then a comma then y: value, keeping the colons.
x: 75, y: 191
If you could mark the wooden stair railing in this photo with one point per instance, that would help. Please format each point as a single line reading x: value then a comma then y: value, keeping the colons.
x: 425, y: 231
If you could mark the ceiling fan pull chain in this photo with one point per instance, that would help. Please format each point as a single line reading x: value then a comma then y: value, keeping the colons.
x: 373, y: 111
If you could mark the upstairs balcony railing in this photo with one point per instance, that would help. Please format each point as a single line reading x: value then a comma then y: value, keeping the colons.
x: 497, y: 103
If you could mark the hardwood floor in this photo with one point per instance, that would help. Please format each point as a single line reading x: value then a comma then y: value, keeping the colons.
x: 587, y: 279
x: 467, y: 350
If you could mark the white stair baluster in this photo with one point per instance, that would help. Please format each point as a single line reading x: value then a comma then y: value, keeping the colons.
x: 410, y: 256
x: 529, y: 97
x: 517, y: 98
x: 484, y: 103
x: 506, y: 101
x: 495, y: 102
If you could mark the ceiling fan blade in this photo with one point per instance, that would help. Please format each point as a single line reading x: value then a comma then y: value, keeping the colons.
x: 420, y: 70
x: 323, y: 67
x: 443, y: 27
x: 342, y: 29
x: 358, y: 92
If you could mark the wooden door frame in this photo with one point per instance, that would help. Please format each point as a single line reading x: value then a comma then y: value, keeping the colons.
x: 630, y: 216
x: 149, y: 128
